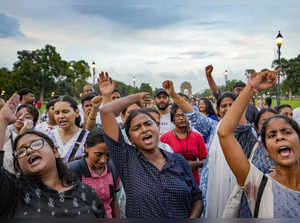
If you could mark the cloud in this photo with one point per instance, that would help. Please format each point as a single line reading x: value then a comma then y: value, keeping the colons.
x: 200, y: 54
x: 135, y: 14
x: 10, y: 27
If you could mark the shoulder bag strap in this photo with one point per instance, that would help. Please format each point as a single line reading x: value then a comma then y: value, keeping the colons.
x: 76, y: 146
x: 253, y: 150
x: 259, y: 194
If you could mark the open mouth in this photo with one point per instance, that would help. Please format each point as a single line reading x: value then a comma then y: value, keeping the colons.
x: 147, y: 139
x: 284, y: 151
x: 34, y: 159
x: 62, y: 122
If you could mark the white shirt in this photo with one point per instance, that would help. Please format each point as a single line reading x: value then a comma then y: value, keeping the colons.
x: 165, y: 124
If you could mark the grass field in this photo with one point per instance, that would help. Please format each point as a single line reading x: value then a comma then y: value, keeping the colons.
x: 293, y: 102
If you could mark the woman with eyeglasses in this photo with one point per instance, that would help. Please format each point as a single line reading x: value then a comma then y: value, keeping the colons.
x: 43, y: 186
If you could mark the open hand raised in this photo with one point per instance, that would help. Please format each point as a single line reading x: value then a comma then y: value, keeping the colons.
x: 105, y: 86
x: 263, y: 80
x: 8, y: 110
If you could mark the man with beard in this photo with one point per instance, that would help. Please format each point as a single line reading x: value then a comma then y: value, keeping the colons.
x: 162, y: 102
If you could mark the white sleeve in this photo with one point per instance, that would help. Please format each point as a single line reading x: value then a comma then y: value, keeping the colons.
x: 252, y: 184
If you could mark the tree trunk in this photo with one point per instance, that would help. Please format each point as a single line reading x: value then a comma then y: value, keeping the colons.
x: 42, y: 93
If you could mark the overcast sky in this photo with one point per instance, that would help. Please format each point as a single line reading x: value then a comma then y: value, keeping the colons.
x: 154, y: 40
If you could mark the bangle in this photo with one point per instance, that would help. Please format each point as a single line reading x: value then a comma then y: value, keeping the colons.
x: 90, y: 118
x: 253, y: 88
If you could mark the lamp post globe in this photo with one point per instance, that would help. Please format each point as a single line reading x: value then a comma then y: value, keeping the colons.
x: 279, y: 42
x: 226, y: 76
x: 94, y: 71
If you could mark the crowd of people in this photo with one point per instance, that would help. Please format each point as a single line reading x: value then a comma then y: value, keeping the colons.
x: 138, y: 156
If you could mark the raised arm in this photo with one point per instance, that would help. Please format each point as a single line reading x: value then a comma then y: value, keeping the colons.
x: 200, y: 122
x: 7, y: 116
x: 8, y: 181
x: 182, y: 104
x: 211, y: 81
x: 106, y: 87
x: 112, y: 109
x: 232, y: 150
x: 91, y: 120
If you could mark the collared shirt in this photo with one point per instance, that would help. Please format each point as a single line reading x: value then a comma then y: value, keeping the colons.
x: 23, y: 197
x: 150, y: 192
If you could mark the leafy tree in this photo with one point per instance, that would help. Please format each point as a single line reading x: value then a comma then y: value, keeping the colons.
x: 290, y: 75
x: 146, y: 88
x: 43, y: 70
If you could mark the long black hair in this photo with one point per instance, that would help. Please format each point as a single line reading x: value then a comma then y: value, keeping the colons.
x: 65, y: 175
x: 208, y: 106
x: 73, y: 104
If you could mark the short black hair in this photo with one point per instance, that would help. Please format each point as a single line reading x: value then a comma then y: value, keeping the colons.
x: 260, y: 113
x: 116, y: 91
x: 226, y: 94
x: 183, y: 95
x: 88, y: 97
x: 125, y: 109
x: 151, y: 110
x: 50, y: 103
x: 32, y: 110
x: 95, y: 136
x: 283, y: 106
x: 239, y: 84
x: 24, y: 91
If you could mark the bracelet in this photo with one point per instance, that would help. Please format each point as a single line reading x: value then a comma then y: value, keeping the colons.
x: 90, y: 118
x: 253, y: 88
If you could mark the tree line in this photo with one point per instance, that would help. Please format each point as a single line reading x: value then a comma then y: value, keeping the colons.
x: 47, y: 74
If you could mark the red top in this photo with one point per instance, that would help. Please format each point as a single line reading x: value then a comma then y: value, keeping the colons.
x: 191, y: 148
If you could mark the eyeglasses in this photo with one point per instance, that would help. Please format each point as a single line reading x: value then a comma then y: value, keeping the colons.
x: 35, y: 145
x: 178, y: 116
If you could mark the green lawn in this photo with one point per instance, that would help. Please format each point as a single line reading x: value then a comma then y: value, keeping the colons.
x: 293, y: 102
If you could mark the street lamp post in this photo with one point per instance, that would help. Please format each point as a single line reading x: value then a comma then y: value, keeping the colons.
x: 226, y: 76
x: 279, y: 40
x: 133, y: 81
x: 94, y: 72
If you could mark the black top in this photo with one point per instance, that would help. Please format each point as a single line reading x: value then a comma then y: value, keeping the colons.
x: 23, y: 197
